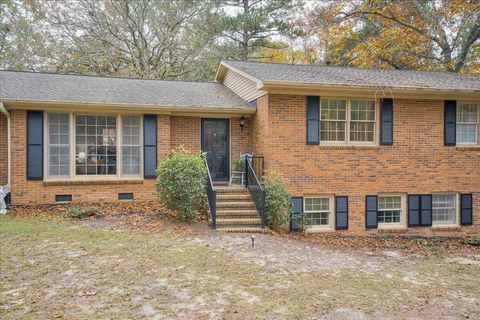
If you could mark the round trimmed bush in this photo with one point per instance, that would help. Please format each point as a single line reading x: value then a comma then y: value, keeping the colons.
x: 181, y: 181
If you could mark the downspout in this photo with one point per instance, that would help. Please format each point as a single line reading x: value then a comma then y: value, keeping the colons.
x: 6, y: 189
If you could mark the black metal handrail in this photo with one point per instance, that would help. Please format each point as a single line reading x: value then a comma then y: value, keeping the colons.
x: 211, y: 196
x: 255, y: 188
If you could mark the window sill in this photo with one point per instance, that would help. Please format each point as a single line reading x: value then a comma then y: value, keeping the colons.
x: 467, y: 147
x: 447, y: 228
x: 347, y: 147
x: 315, y: 229
x: 92, y: 182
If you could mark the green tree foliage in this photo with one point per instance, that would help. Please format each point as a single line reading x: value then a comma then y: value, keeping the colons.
x: 251, y: 24
x: 181, y: 181
x: 278, y: 203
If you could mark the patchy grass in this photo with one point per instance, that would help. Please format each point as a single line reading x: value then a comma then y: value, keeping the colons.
x: 55, y: 269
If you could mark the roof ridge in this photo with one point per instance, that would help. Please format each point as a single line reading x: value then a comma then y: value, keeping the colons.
x: 106, y: 77
x: 352, y: 68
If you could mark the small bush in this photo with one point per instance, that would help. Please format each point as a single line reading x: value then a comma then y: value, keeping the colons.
x: 278, y: 203
x: 301, y: 221
x: 80, y: 213
x: 181, y: 181
x: 239, y: 165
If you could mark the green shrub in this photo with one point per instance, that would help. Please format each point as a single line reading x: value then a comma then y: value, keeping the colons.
x: 181, y: 181
x: 239, y: 165
x: 77, y: 212
x: 301, y: 221
x: 278, y: 203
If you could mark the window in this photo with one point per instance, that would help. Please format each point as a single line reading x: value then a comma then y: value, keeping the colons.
x: 332, y: 120
x: 467, y: 123
x: 58, y: 151
x: 389, y: 209
x: 444, y: 210
x: 347, y: 121
x: 131, y: 145
x: 96, y: 145
x: 102, y: 145
x: 362, y: 120
x: 318, y: 211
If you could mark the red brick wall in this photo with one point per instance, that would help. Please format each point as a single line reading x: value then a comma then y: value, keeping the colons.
x: 3, y: 151
x: 241, y: 140
x: 417, y: 163
x: 172, y: 131
x: 185, y: 131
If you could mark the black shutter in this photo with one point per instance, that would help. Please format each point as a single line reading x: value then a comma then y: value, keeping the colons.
x: 34, y: 145
x: 297, y: 203
x: 149, y: 146
x: 386, y: 123
x: 450, y: 123
x: 313, y: 120
x: 426, y: 210
x: 371, y: 212
x: 341, y: 213
x: 466, y: 212
x: 413, y: 210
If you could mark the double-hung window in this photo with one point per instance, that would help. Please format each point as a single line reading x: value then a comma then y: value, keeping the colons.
x: 390, y: 210
x: 58, y: 150
x: 85, y: 145
x: 318, y: 211
x: 444, y: 209
x: 351, y: 121
x: 468, y: 119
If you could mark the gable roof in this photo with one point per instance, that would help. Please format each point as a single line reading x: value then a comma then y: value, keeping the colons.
x: 77, y: 89
x: 275, y: 73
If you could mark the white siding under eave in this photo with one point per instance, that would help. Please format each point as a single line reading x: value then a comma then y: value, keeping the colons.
x: 244, y: 87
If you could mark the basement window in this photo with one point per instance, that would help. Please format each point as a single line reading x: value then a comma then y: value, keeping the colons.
x: 318, y: 212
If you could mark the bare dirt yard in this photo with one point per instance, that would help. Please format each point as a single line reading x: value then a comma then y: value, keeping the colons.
x: 98, y: 269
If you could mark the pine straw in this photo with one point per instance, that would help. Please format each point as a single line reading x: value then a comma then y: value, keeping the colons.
x: 146, y: 216
x: 430, y: 246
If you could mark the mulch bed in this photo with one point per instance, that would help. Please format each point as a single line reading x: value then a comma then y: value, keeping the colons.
x: 148, y: 216
x: 437, y: 245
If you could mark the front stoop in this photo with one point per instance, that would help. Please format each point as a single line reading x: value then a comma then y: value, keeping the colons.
x: 236, y: 211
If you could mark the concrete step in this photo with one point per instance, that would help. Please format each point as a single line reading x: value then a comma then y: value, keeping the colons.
x: 241, y: 229
x: 235, y: 190
x: 233, y: 205
x: 239, y: 222
x: 220, y: 183
x: 236, y: 211
x: 237, y: 214
x: 232, y: 197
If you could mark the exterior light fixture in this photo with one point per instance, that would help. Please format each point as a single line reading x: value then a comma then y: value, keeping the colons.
x: 243, y: 121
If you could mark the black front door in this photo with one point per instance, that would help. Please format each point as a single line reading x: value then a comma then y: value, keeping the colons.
x: 215, y: 142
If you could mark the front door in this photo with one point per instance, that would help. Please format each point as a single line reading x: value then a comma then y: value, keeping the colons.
x: 215, y: 142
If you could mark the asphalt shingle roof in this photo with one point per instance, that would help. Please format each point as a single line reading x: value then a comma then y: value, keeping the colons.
x: 329, y: 75
x: 30, y: 86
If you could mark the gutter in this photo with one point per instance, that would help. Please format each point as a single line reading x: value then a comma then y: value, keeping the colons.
x: 6, y: 189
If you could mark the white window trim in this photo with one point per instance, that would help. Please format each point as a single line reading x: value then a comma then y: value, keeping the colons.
x: 73, y: 175
x: 457, y: 210
x: 477, y: 142
x: 348, y: 109
x: 331, y: 219
x: 403, y: 212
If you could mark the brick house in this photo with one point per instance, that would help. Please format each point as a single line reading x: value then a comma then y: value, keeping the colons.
x: 359, y: 150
